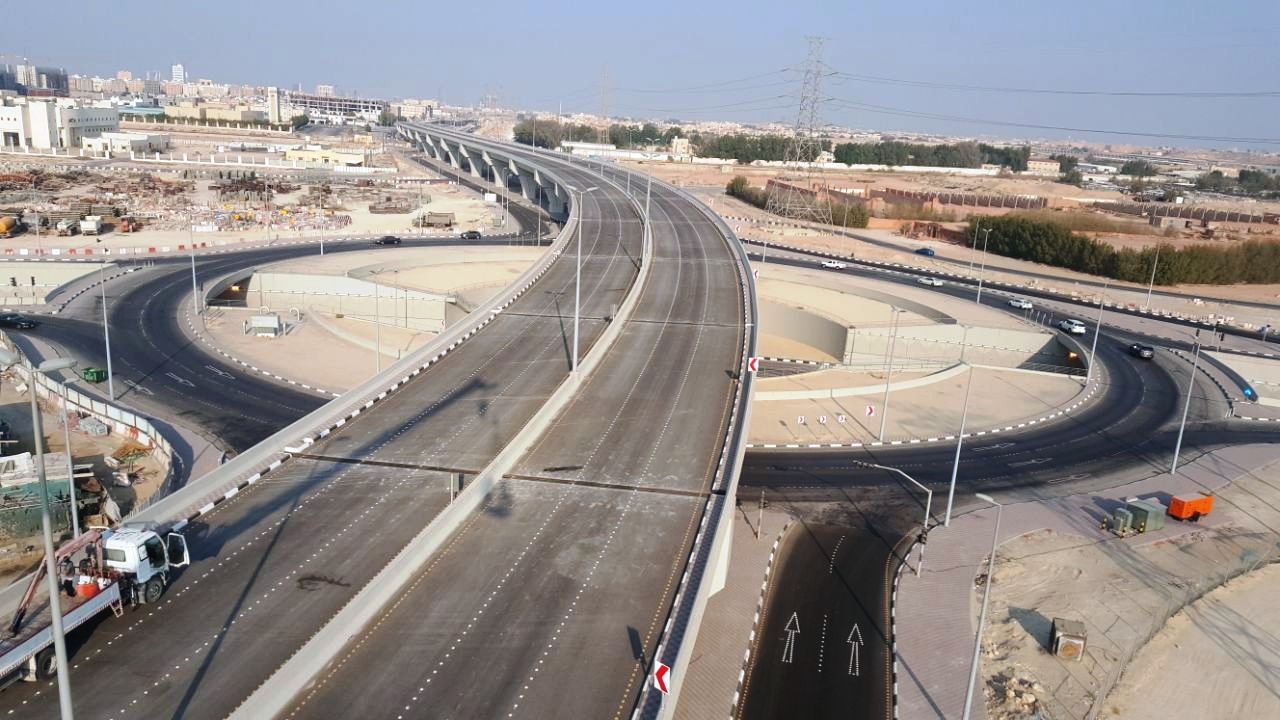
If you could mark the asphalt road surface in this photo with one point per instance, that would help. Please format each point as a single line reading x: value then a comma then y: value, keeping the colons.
x: 823, y: 638
x: 583, y: 545
x: 271, y: 565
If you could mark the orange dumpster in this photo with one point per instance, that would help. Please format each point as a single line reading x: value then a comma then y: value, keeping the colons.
x: 1192, y: 508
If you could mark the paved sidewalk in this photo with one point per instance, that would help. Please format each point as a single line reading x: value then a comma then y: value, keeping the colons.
x: 715, y: 669
x: 936, y: 613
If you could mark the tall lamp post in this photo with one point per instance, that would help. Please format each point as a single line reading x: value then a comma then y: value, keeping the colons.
x: 71, y: 465
x: 982, y: 271
x: 982, y: 614
x: 1152, y: 285
x: 888, y: 373
x: 50, y: 566
x: 955, y: 465
x: 577, y: 283
x: 106, y: 334
x: 1191, y: 386
x: 1097, y: 330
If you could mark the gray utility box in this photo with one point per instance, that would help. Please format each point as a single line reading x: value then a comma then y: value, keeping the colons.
x: 1069, y: 639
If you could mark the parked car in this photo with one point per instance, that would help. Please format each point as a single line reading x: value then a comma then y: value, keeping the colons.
x: 1020, y: 303
x: 931, y: 281
x: 927, y: 252
x: 471, y: 235
x: 834, y: 265
x: 387, y: 240
x: 18, y: 322
x: 1138, y: 350
x: 1075, y: 327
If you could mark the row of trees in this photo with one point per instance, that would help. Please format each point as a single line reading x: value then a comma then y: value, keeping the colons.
x: 1250, y: 182
x: 851, y: 215
x: 1054, y: 244
x: 962, y: 155
x: 549, y: 133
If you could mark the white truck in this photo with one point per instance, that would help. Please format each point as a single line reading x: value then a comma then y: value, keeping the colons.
x: 91, y: 225
x: 131, y: 565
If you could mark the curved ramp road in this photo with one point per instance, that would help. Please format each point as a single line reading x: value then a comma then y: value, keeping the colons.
x: 272, y: 564
x: 550, y: 602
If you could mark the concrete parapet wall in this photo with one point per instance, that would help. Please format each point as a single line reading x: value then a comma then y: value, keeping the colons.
x: 348, y: 296
x: 998, y: 346
x: 804, y: 327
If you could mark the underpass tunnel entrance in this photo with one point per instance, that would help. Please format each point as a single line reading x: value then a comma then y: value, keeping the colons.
x: 233, y: 293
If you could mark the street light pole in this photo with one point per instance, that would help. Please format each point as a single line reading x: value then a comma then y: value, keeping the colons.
x: 106, y: 333
x: 982, y: 271
x: 1191, y: 384
x: 377, y: 323
x: 51, y: 569
x: 71, y: 467
x: 982, y: 614
x: 1151, y: 285
x: 888, y: 374
x: 577, y: 283
x: 195, y: 291
x: 977, y: 224
x: 955, y: 465
x: 1097, y: 330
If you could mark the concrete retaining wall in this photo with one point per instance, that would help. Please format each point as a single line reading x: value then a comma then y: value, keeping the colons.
x: 348, y: 296
x: 804, y: 327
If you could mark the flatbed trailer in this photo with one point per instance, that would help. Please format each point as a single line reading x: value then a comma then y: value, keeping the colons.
x: 28, y: 654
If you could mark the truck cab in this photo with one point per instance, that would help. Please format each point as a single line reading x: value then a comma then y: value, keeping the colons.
x: 141, y: 555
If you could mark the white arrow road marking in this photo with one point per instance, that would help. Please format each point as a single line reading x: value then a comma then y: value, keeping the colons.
x: 219, y: 371
x: 997, y: 446
x: 135, y: 386
x: 792, y: 629
x: 182, y: 380
x: 855, y: 641
x: 1037, y: 461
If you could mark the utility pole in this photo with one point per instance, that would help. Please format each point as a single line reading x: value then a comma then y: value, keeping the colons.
x: 377, y: 322
x: 955, y: 465
x: 976, y: 225
x: 888, y: 375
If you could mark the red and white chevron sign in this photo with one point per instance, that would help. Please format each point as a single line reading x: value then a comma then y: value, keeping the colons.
x: 753, y: 364
x: 660, y: 674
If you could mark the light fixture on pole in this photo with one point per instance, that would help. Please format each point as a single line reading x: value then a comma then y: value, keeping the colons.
x: 982, y: 614
x: 71, y: 466
x: 1182, y: 426
x: 1097, y: 331
x: 982, y: 271
x: 577, y: 283
x: 888, y: 374
x: 46, y: 522
x: 1152, y: 285
x: 955, y: 465
x: 106, y: 334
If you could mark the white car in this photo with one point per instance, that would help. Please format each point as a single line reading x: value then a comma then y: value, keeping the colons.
x: 1020, y: 304
x: 1075, y: 327
x: 834, y: 265
x: 931, y: 281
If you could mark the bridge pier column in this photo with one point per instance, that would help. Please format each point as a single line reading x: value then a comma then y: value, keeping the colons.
x: 528, y: 185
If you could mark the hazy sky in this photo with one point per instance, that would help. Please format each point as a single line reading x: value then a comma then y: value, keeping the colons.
x: 666, y: 58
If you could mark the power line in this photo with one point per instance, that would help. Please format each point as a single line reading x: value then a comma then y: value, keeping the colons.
x: 721, y: 106
x: 882, y: 109
x: 1048, y: 91
x: 707, y: 86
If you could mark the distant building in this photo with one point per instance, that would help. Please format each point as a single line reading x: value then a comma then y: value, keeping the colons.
x: 273, y: 105
x: 172, y: 88
x: 1093, y: 169
x: 48, y: 124
x: 325, y: 91
x: 215, y: 112
x: 123, y: 142
x: 317, y: 155
x: 1037, y: 166
x: 414, y: 109
x: 124, y: 75
x: 680, y: 147
x: 178, y: 73
x: 37, y: 81
x: 335, y: 110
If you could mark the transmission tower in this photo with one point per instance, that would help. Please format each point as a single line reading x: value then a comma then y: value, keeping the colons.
x: 798, y: 196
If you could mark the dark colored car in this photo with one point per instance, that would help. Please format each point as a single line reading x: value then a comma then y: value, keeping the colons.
x: 13, y: 320
x: 387, y: 240
x: 927, y: 252
x: 471, y: 235
x: 1146, y: 352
